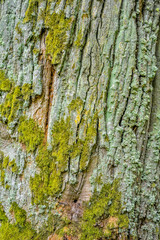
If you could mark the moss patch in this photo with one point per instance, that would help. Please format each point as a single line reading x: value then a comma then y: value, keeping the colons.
x: 5, y: 163
x: 31, y: 12
x: 56, y: 39
x: 104, y: 216
x: 51, y: 164
x: 20, y: 230
x: 14, y: 100
x: 30, y: 134
x: 5, y: 83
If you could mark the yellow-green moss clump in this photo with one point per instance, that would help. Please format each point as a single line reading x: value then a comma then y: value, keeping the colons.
x: 31, y: 12
x: 5, y: 83
x: 52, y: 163
x: 5, y: 163
x: 56, y: 39
x: 30, y: 134
x: 14, y: 168
x: 103, y: 217
x: 88, y: 143
x: 14, y: 102
x: 20, y: 229
x: 57, y: 25
x: 78, y: 40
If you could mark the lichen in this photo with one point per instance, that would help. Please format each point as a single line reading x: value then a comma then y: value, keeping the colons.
x: 88, y: 143
x: 5, y: 83
x: 12, y: 106
x: 78, y: 40
x: 5, y: 163
x: 56, y: 39
x: 30, y: 15
x: 104, y: 215
x: 52, y: 163
x: 12, y: 164
x: 20, y: 229
x: 30, y: 134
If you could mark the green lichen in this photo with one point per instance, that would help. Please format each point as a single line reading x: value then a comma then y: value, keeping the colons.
x: 12, y: 164
x: 5, y: 83
x: 39, y: 184
x: 61, y: 148
x: 104, y: 217
x: 75, y: 104
x: 26, y: 91
x: 14, y: 100
x: 20, y: 230
x: 2, y: 177
x: 5, y: 162
x: 36, y: 51
x: 57, y: 25
x: 7, y: 186
x: 52, y: 163
x: 30, y: 15
x: 1, y: 157
x: 88, y: 143
x: 16, y: 103
x: 30, y: 134
x: 19, y: 214
x: 18, y: 29
x: 78, y: 40
x: 3, y: 217
x: 56, y: 40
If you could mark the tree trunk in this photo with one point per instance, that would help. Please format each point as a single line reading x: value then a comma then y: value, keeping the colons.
x: 88, y: 73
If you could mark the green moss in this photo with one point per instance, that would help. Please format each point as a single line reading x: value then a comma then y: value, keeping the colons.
x: 30, y: 134
x: 69, y: 2
x: 78, y: 41
x: 104, y: 216
x: 56, y: 39
x: 14, y: 102
x: 5, y: 83
x: 75, y: 104
x: 2, y: 179
x: 13, y: 232
x: 39, y: 184
x: 88, y: 143
x: 7, y: 186
x: 30, y: 15
x: 20, y: 230
x: 5, y: 162
x: 57, y: 25
x: 52, y: 163
x: 36, y: 51
x: 61, y: 148
x: 3, y: 217
x: 1, y: 158
x: 26, y: 91
x: 11, y: 105
x: 18, y: 29
x: 13, y: 166
x: 19, y: 214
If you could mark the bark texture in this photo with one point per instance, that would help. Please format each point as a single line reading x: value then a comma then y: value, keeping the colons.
x: 92, y: 68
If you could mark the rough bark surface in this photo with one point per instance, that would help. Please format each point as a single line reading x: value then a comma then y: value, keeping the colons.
x: 105, y: 80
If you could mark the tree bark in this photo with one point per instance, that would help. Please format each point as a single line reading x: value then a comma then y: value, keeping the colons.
x: 109, y: 64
